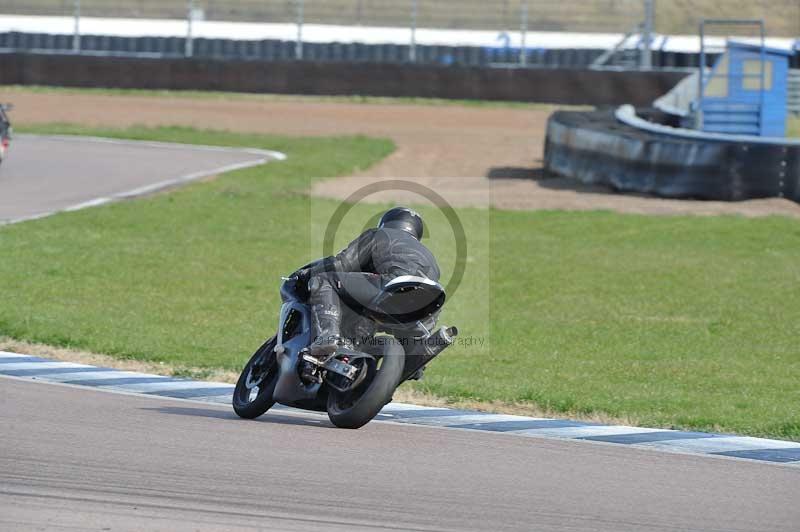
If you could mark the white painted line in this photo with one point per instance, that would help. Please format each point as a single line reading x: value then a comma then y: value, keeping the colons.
x: 95, y: 375
x: 580, y: 432
x: 283, y: 409
x: 167, y: 386
x: 37, y: 365
x: 270, y: 154
x: 399, y: 407
x: 6, y: 354
x: 27, y: 218
x: 719, y: 445
x: 703, y: 446
x: 86, y: 204
x: 444, y: 421
x: 263, y: 157
x: 149, y: 189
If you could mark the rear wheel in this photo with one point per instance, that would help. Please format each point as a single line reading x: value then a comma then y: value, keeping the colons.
x: 256, y: 385
x: 357, y: 407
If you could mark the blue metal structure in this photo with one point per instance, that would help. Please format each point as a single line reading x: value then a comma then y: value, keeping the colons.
x: 746, y: 91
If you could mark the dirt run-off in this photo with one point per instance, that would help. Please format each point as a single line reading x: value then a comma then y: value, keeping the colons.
x: 479, y: 155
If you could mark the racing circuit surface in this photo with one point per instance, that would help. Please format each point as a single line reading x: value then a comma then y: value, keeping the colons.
x: 47, y: 174
x: 75, y: 458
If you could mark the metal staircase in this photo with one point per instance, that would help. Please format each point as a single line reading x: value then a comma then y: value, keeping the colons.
x: 623, y: 55
x: 731, y: 118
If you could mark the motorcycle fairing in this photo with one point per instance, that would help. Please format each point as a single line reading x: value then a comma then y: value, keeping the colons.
x: 290, y: 388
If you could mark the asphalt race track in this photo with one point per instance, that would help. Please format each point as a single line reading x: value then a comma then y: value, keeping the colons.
x: 43, y: 174
x: 76, y: 458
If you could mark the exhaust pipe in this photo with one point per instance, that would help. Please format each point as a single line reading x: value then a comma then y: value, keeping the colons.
x: 426, y: 349
x: 438, y: 341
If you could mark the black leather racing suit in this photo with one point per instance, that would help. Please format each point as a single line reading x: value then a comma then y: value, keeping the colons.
x: 359, y: 271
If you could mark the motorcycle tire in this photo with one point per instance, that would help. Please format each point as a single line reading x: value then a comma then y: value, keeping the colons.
x: 349, y: 412
x: 244, y: 404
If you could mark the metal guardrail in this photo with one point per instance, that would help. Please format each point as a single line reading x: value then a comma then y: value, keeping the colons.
x: 627, y: 115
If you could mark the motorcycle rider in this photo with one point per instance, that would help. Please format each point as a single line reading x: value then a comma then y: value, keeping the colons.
x: 358, y: 273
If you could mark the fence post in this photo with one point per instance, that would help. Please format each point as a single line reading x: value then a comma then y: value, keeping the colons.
x: 701, y: 72
x: 189, y: 50
x: 646, y: 55
x: 523, y: 49
x: 298, y: 47
x: 412, y: 50
x: 76, y: 35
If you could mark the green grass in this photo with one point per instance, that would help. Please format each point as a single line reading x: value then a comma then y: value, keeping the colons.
x: 686, y: 322
x: 10, y: 90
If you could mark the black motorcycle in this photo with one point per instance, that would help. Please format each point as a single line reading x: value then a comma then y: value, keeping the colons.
x: 393, y: 340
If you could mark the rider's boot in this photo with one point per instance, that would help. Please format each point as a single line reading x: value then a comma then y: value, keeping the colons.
x: 326, y: 320
x: 328, y: 336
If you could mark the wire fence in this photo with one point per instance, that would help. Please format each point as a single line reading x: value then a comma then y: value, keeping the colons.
x: 585, y: 33
x: 782, y: 17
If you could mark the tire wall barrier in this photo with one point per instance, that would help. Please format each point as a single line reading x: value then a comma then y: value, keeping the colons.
x: 278, y: 50
x: 594, y: 147
x: 545, y: 85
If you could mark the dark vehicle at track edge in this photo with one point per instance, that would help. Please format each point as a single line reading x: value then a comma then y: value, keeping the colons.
x: 393, y: 341
x: 5, y: 130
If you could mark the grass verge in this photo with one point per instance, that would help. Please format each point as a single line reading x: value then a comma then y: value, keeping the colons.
x: 228, y: 96
x: 679, y: 322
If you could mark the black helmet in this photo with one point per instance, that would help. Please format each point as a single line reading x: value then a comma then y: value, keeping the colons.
x: 404, y: 219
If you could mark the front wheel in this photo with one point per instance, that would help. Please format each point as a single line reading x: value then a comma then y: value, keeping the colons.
x: 355, y: 408
x: 256, y: 385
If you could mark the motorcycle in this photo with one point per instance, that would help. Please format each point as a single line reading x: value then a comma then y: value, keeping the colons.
x: 393, y: 341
